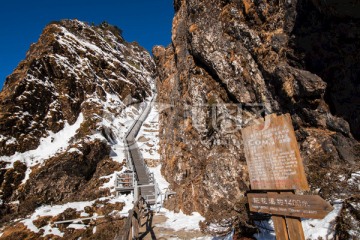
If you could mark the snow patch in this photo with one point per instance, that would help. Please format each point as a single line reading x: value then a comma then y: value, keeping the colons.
x: 180, y: 221
x: 129, y: 203
x: 160, y: 180
x: 148, y: 137
x: 11, y: 140
x: 111, y: 182
x: 75, y: 150
x: 53, y: 144
x: 322, y: 228
x: 77, y: 226
x: 54, y: 210
x: 52, y: 230
x: 84, y: 214
x: 2, y: 138
x: 313, y: 228
x: 48, y: 210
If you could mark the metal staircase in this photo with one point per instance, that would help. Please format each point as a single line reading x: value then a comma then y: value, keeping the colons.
x: 139, y: 180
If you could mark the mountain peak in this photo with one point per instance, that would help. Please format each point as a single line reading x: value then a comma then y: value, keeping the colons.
x: 71, y: 63
x: 63, y: 110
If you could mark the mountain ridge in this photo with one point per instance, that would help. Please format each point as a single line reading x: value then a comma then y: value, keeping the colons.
x: 63, y: 115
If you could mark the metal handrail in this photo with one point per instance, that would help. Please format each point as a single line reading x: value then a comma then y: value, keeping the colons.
x: 78, y: 219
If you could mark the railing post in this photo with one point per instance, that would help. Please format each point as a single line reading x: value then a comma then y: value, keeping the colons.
x: 156, y: 205
x: 128, y: 233
x: 136, y: 192
x: 133, y: 179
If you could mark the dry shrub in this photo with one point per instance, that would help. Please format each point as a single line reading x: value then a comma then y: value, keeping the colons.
x: 18, y: 231
x: 349, y: 219
x: 42, y: 221
x: 193, y: 28
x: 107, y: 228
x: 247, y: 5
x: 228, y: 216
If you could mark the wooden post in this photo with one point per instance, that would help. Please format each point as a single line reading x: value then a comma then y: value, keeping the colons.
x: 279, y: 224
x: 136, y: 192
x: 127, y: 229
x: 295, y: 229
x: 280, y: 227
x: 287, y: 228
x: 294, y: 226
x: 135, y: 226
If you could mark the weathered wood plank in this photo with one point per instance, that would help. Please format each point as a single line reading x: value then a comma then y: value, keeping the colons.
x: 127, y: 229
x: 288, y: 204
x: 294, y: 226
x: 279, y: 224
x: 135, y: 226
x: 280, y: 227
x: 295, y: 229
x: 273, y: 156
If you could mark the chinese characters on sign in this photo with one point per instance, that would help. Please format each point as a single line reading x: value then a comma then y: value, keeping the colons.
x: 273, y: 156
x: 306, y: 206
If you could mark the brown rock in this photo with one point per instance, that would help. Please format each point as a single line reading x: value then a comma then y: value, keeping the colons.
x: 42, y: 221
x: 74, y: 69
x: 233, y: 61
x: 70, y: 63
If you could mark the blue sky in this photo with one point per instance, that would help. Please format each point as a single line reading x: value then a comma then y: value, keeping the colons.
x: 145, y: 21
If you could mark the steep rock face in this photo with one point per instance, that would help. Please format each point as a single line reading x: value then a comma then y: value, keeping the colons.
x: 63, y: 109
x: 230, y: 62
x: 70, y: 63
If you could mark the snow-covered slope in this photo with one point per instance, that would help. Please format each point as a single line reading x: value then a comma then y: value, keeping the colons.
x: 173, y: 223
x: 63, y: 115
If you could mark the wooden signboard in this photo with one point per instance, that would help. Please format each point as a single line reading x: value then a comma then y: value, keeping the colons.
x: 274, y: 163
x: 287, y: 204
x: 273, y: 155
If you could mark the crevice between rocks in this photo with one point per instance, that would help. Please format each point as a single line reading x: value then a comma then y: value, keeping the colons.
x: 200, y: 63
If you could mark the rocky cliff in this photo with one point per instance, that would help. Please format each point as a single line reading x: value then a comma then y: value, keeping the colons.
x: 63, y: 112
x: 231, y: 61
